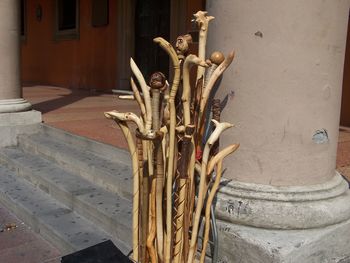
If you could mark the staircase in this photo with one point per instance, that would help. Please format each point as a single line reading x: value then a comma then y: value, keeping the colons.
x: 74, y: 191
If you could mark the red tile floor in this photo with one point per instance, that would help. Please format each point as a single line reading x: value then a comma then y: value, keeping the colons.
x: 81, y: 112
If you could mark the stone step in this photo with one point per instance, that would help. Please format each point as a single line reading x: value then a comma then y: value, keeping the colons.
x: 66, y: 229
x: 113, y: 175
x: 85, y: 144
x: 105, y: 209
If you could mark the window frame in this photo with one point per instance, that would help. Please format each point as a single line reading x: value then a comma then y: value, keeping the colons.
x: 66, y: 34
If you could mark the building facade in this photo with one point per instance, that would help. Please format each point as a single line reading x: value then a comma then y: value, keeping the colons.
x: 284, y: 201
x: 87, y: 44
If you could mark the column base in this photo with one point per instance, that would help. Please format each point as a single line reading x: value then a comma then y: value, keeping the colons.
x: 261, y: 223
x: 244, y: 244
x: 296, y: 207
x: 14, y: 105
x: 13, y: 124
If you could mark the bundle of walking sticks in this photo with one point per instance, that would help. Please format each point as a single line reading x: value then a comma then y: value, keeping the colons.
x: 177, y: 164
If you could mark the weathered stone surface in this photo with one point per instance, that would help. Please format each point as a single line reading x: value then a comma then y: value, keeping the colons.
x: 13, y: 124
x: 295, y: 207
x: 54, y: 221
x: 114, y: 175
x: 267, y: 224
x: 105, y: 209
x: 72, y: 190
x: 245, y: 244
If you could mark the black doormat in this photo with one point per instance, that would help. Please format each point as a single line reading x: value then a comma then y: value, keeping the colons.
x: 105, y: 252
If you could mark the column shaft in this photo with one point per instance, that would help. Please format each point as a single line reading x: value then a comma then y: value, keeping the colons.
x: 10, y: 84
x: 284, y: 86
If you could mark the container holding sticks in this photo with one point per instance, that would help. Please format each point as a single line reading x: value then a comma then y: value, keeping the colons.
x: 175, y: 151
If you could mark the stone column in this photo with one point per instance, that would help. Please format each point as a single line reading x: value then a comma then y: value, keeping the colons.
x: 284, y: 93
x: 15, y: 114
x: 10, y: 84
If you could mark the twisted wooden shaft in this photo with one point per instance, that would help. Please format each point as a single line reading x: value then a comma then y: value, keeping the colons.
x: 182, y: 185
x: 143, y: 201
x: 157, y: 82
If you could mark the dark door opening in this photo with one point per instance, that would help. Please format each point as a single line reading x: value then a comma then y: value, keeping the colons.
x: 152, y: 19
x: 345, y: 102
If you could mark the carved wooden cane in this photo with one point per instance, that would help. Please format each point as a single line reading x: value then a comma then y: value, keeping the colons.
x: 132, y: 148
x: 214, y: 77
x: 219, y: 128
x: 170, y: 171
x: 151, y: 137
x: 202, y: 21
x: 216, y: 161
x: 157, y: 82
x: 187, y: 148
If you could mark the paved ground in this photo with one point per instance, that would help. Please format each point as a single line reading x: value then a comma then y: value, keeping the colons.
x: 81, y: 112
x: 21, y: 245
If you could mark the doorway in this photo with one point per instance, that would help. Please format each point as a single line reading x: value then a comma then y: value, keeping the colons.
x: 152, y: 19
x: 345, y: 102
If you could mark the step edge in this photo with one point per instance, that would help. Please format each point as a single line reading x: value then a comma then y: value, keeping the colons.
x: 47, y: 231
x: 105, y: 179
x: 67, y: 198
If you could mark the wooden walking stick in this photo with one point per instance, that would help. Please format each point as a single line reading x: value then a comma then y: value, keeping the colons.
x: 152, y: 232
x: 143, y: 183
x: 157, y: 82
x: 147, y: 99
x: 206, y: 92
x: 170, y: 171
x: 219, y: 128
x: 202, y: 21
x: 186, y: 103
x: 186, y: 149
x: 138, y: 98
x: 151, y: 136
x: 216, y: 58
x: 132, y: 148
x: 216, y: 160
x: 186, y: 92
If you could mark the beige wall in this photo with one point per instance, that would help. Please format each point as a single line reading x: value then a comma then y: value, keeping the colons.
x: 287, y: 83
